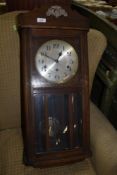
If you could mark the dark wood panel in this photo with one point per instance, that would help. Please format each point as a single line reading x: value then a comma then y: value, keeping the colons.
x: 30, y: 4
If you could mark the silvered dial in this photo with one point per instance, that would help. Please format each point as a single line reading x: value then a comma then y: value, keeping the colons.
x: 56, y: 61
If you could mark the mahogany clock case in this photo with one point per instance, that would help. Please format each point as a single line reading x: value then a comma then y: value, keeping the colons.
x: 55, y: 117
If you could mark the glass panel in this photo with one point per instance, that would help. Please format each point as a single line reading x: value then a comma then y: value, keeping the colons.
x: 39, y: 123
x: 58, y: 122
x: 77, y: 120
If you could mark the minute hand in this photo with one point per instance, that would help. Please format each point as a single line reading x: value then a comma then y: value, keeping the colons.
x: 51, y: 58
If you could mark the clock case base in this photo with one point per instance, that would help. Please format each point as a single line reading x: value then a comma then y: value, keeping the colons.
x: 57, y: 159
x: 74, y: 30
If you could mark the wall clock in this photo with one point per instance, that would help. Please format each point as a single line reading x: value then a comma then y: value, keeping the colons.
x: 54, y: 85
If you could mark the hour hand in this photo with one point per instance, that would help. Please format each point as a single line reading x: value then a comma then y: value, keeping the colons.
x: 59, y: 55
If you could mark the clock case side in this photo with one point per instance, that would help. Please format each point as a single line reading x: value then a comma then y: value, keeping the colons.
x: 27, y: 99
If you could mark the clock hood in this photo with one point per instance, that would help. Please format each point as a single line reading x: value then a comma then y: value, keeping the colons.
x: 53, y: 16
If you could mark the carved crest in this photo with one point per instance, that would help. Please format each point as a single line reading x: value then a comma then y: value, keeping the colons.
x: 56, y: 11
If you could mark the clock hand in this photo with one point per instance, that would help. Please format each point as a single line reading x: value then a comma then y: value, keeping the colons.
x: 51, y: 58
x: 59, y: 55
x: 55, y: 60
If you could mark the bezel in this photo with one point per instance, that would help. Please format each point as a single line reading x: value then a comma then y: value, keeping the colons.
x: 46, y: 56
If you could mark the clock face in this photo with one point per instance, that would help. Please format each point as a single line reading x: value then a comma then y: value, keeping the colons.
x: 56, y: 61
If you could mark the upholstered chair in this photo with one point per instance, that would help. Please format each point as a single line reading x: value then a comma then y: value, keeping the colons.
x: 103, y: 137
